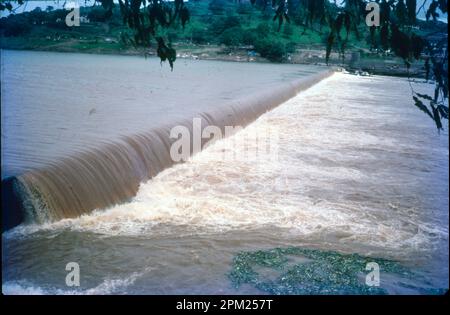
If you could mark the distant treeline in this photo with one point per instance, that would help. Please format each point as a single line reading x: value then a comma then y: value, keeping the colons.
x: 213, y: 23
x: 217, y: 22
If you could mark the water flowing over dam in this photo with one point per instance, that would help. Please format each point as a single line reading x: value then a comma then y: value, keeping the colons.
x: 82, y: 133
x: 360, y: 175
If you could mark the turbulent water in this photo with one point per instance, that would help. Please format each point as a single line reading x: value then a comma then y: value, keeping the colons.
x: 348, y: 166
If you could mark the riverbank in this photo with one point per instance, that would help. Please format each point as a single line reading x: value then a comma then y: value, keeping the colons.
x: 355, y: 61
x: 243, y: 34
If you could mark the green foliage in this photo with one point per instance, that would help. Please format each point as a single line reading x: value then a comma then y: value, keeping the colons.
x: 249, y: 37
x: 97, y: 14
x: 288, y: 30
x: 199, y: 35
x: 321, y: 272
x: 232, y: 37
x: 281, y: 14
x: 291, y: 47
x: 220, y: 25
x: 12, y: 26
x: 217, y: 7
x: 436, y: 110
x: 411, y: 8
x: 273, y: 50
x: 263, y: 30
x: 244, y: 9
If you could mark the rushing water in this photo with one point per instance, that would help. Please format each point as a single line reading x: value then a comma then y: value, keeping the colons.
x: 357, y: 169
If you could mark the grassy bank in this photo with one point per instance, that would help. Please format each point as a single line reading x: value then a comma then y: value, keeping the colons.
x: 231, y: 32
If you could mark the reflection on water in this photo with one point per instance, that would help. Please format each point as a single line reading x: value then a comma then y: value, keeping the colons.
x: 358, y: 170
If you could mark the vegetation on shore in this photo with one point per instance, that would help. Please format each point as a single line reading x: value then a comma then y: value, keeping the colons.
x: 222, y: 32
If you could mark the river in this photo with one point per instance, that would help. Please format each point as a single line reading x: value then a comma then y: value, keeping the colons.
x: 358, y: 174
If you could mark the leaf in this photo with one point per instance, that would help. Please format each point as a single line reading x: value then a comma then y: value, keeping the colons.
x: 287, y: 18
x: 347, y: 22
x: 184, y: 16
x: 385, y: 12
x: 280, y: 14
x: 401, y: 12
x: 411, y: 6
x: 384, y: 36
x: 372, y: 36
x: 443, y: 110
x: 431, y: 12
x: 437, y: 117
x: 417, y: 45
x: 400, y: 43
x: 424, y: 96
x: 338, y: 23
x: 330, y: 42
x: 443, y: 6
x: 165, y: 52
x: 422, y: 107
x: 436, y: 94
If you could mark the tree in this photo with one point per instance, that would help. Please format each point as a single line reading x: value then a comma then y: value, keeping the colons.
x: 232, y: 37
x: 97, y: 14
x: 217, y: 7
x: 274, y: 51
x: 14, y: 26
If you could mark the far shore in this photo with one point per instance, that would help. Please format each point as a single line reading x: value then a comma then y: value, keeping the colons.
x: 374, y: 66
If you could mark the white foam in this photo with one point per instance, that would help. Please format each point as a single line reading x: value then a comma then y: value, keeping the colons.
x: 108, y: 286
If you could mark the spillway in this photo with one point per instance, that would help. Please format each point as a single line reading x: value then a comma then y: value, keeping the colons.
x: 82, y: 132
x: 360, y: 175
